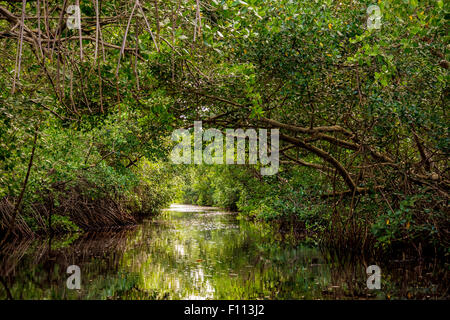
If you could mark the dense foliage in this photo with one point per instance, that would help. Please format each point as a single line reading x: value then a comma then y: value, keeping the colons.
x: 86, y: 115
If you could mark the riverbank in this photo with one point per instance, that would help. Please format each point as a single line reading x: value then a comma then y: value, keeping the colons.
x: 373, y: 224
x: 87, y: 202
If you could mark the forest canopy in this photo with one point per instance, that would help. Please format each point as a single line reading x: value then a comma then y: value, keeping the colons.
x: 86, y: 113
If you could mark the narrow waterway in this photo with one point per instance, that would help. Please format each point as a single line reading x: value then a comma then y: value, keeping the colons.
x: 191, y: 252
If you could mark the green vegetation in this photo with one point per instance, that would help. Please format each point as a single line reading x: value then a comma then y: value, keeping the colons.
x: 86, y: 115
x: 205, y: 254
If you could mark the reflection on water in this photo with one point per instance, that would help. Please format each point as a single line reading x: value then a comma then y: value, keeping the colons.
x: 192, y: 252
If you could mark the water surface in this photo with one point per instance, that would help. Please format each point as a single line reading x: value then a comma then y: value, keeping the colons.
x: 191, y: 252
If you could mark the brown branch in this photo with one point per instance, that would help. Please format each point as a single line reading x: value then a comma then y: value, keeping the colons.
x: 422, y: 152
x: 306, y: 164
x: 325, y: 156
x: 22, y: 192
x: 122, y: 48
x: 334, y: 128
x: 106, y: 44
x: 358, y: 191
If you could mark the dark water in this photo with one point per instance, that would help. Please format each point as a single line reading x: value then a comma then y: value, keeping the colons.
x: 192, y: 252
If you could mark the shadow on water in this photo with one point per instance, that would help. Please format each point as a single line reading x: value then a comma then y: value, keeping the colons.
x: 191, y: 252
